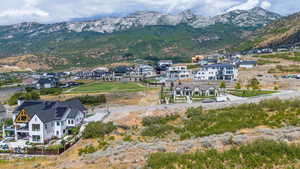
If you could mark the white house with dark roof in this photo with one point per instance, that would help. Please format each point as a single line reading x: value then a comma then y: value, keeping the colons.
x: 178, y: 72
x: 222, y: 71
x: 41, y: 121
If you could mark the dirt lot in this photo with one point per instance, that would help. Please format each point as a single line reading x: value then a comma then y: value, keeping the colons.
x: 268, y: 80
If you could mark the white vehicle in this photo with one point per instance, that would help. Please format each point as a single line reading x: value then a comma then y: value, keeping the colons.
x: 222, y: 98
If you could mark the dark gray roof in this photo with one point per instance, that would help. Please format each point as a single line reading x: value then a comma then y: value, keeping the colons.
x: 195, y: 86
x: 2, y: 109
x: 47, y: 81
x: 51, y: 110
x: 248, y: 62
x: 220, y: 65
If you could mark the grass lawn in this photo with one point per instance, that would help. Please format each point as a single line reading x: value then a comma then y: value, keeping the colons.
x: 250, y: 93
x: 101, y: 87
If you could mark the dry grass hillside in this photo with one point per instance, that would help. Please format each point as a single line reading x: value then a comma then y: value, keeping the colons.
x: 29, y: 63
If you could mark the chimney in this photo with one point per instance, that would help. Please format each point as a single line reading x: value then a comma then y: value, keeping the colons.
x: 20, y: 101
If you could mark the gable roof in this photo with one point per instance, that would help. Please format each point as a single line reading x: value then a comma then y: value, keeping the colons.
x: 248, y: 62
x: 51, y: 110
x: 2, y: 109
x: 220, y: 65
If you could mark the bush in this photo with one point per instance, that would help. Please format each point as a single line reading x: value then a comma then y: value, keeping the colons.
x: 92, y: 100
x: 127, y: 138
x: 98, y: 129
x: 87, y: 150
x: 151, y: 120
x: 75, y: 130
x: 13, y: 100
x: 158, y: 130
x: 260, y: 154
x: 51, y: 91
x: 102, y: 144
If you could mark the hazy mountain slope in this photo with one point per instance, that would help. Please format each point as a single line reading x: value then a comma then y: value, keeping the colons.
x: 140, y: 35
x: 284, y: 32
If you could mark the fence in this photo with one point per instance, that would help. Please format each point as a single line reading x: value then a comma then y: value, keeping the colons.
x: 43, y: 150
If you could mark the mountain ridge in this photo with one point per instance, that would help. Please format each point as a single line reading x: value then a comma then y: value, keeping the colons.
x: 140, y: 35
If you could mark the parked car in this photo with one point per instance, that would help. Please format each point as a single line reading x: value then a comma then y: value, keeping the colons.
x: 208, y: 100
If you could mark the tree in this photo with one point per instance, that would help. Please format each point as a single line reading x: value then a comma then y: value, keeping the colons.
x: 223, y: 85
x: 98, y: 129
x: 238, y: 86
x: 13, y: 100
x: 254, y: 84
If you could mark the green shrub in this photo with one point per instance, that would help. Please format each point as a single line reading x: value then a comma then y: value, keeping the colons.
x: 98, y: 129
x: 87, y: 150
x: 13, y: 100
x: 92, y: 100
x: 102, y: 144
x: 151, y: 120
x: 51, y: 91
x: 75, y: 130
x: 127, y: 138
x: 261, y: 154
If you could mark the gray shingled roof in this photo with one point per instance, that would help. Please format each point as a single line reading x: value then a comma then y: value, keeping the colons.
x: 2, y: 109
x: 221, y: 65
x: 51, y: 110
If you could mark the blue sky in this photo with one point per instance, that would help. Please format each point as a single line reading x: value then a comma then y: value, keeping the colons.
x: 49, y: 11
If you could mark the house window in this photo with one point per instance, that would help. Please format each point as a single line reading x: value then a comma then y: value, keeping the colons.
x: 36, y: 138
x: 64, y: 131
x: 36, y: 127
x: 46, y: 126
x: 57, y: 133
x: 72, y: 121
x: 58, y: 123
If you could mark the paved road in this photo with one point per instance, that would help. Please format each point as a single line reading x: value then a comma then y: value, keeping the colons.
x: 117, y: 113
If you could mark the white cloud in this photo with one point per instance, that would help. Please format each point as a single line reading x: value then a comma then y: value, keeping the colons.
x: 249, y: 4
x: 47, y: 11
x: 265, y: 4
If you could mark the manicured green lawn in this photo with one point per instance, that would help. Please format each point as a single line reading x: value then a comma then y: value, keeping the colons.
x: 250, y: 93
x: 99, y: 87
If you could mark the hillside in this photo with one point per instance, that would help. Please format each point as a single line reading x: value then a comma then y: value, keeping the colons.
x: 146, y: 35
x: 284, y: 32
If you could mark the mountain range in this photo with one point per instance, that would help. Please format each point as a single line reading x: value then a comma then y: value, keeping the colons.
x: 284, y: 32
x: 142, y: 35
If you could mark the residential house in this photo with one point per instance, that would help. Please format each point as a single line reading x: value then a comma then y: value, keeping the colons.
x: 178, y: 72
x: 248, y: 64
x: 208, y: 61
x: 120, y: 71
x: 195, y: 91
x: 165, y: 63
x: 94, y: 75
x: 217, y: 72
x: 145, y: 70
x: 41, y: 121
x: 46, y: 83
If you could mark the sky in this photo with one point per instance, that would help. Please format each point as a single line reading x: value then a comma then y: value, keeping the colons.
x: 50, y: 11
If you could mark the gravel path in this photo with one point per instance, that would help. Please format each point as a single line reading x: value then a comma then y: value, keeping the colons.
x: 117, y: 113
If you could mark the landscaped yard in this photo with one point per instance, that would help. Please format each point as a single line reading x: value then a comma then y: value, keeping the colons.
x: 102, y: 87
x: 250, y: 93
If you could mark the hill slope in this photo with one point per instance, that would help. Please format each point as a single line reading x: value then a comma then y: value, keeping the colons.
x: 147, y: 35
x: 284, y: 32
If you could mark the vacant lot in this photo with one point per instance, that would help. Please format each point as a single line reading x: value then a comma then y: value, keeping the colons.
x: 107, y: 87
x: 292, y: 56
